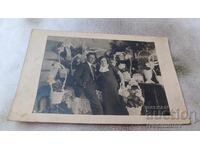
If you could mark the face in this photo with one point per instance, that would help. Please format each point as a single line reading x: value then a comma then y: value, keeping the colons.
x: 91, y: 59
x: 78, y: 59
x: 103, y: 62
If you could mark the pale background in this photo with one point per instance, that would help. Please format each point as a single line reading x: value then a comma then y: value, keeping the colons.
x: 183, y: 34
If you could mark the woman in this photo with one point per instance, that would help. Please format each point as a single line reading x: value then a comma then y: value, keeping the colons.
x: 154, y: 93
x: 107, y: 79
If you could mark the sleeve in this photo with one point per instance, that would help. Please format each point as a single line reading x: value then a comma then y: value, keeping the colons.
x: 98, y: 77
x: 78, y: 74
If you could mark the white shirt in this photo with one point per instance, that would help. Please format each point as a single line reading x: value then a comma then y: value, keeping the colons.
x: 91, y: 70
x: 104, y: 69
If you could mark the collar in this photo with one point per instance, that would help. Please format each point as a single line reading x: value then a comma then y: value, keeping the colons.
x: 89, y: 64
x: 103, y: 69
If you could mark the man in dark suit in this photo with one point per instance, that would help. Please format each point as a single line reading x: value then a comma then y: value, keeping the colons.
x: 85, y: 78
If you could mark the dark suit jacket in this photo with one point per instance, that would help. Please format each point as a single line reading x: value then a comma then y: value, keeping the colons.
x: 83, y: 76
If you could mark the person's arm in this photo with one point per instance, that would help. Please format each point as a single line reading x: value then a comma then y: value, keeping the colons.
x: 121, y: 78
x: 119, y: 73
x: 78, y: 74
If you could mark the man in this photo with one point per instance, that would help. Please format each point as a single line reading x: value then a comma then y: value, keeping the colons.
x: 85, y: 78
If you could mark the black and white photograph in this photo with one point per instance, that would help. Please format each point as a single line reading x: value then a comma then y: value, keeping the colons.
x: 96, y: 78
x: 100, y: 77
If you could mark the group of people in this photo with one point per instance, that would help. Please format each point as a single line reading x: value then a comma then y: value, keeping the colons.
x: 91, y: 77
x: 112, y: 83
x: 108, y: 77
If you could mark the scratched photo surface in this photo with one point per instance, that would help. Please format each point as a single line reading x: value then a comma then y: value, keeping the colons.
x: 100, y: 77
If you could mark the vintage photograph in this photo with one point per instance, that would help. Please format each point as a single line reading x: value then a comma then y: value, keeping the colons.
x: 96, y: 78
x: 89, y: 76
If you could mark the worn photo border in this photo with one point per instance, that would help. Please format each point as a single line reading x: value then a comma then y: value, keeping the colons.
x: 27, y: 88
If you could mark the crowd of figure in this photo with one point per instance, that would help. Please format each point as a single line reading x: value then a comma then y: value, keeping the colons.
x: 113, y: 83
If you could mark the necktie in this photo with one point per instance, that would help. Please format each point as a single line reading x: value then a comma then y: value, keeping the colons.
x: 92, y: 71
